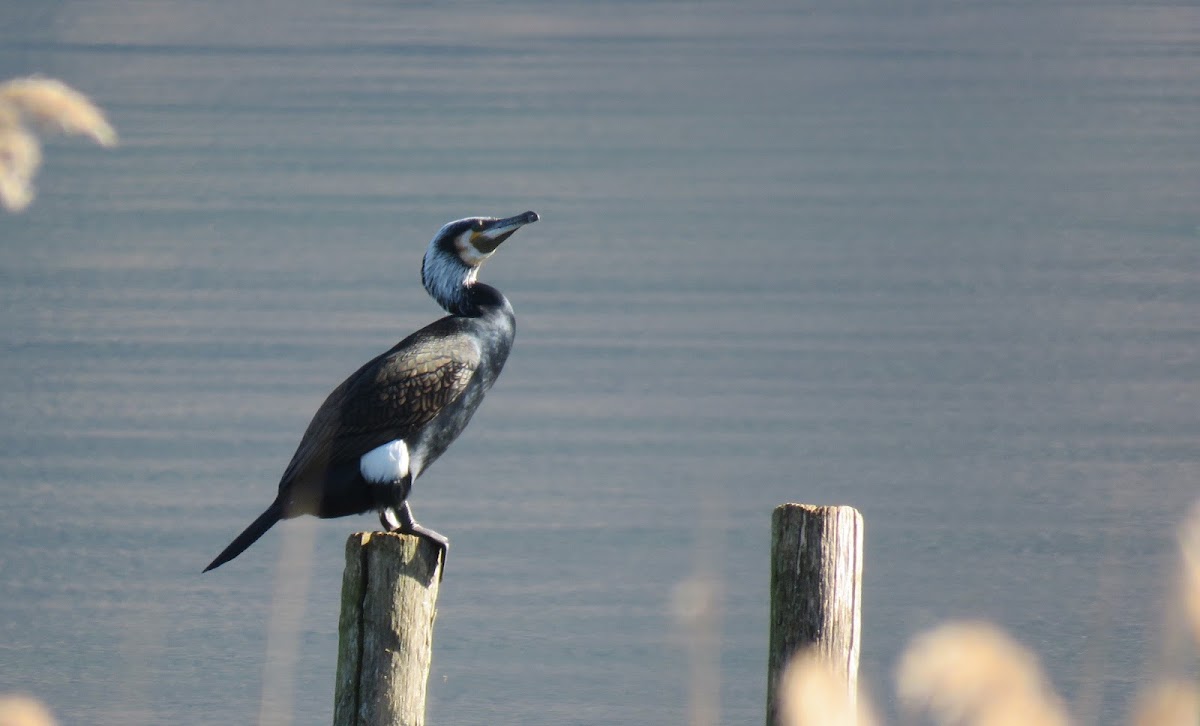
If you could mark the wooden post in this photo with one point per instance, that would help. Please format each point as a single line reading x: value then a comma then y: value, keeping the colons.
x: 816, y: 587
x: 385, y: 633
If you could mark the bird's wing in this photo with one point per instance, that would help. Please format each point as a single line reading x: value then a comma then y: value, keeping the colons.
x: 389, y: 398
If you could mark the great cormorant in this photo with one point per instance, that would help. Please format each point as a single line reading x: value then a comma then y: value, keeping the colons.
x: 396, y: 415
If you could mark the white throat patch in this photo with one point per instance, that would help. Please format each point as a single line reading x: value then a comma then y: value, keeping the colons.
x: 385, y: 464
x: 469, y: 253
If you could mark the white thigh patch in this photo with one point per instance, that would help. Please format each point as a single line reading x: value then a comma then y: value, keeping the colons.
x: 385, y: 464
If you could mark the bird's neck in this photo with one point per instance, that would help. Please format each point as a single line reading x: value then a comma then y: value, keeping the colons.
x: 478, y: 300
x: 447, y: 280
x: 452, y: 284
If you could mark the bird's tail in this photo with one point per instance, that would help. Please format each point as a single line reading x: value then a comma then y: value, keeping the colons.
x: 249, y: 536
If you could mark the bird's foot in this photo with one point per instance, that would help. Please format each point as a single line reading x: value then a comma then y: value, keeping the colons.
x: 436, y: 538
x: 400, y: 519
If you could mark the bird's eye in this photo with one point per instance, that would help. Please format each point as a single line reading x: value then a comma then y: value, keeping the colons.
x: 478, y: 225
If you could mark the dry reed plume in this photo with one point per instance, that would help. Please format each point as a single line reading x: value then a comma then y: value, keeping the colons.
x: 1175, y: 699
x: 972, y: 673
x: 810, y: 694
x: 1168, y: 703
x: 23, y: 711
x: 50, y: 106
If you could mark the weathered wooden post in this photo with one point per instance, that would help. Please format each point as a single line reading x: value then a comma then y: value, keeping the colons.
x: 385, y: 633
x: 816, y: 588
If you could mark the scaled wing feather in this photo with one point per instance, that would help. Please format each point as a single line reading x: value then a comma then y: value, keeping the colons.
x: 389, y: 398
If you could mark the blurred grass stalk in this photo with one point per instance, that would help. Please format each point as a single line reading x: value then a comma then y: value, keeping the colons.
x: 697, y: 608
x: 49, y: 106
x: 293, y: 575
x: 1189, y: 575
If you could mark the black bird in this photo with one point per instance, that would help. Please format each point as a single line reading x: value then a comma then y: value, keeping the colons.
x: 396, y: 415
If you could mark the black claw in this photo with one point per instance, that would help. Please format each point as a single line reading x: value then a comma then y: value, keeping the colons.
x: 437, y: 540
x: 400, y: 519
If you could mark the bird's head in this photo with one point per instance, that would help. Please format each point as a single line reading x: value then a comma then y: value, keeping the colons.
x: 460, y: 247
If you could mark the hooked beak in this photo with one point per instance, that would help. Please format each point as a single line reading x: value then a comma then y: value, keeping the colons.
x: 498, y: 230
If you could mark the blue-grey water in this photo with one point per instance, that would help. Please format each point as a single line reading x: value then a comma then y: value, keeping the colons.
x: 937, y: 260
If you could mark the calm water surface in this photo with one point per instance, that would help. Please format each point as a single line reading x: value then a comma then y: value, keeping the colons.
x: 938, y: 261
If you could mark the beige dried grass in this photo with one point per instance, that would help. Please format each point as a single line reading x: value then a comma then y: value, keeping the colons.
x: 51, y: 106
x: 55, y: 106
x: 1168, y: 703
x: 23, y: 711
x: 20, y: 157
x: 812, y: 694
x: 973, y: 673
x: 1174, y: 700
